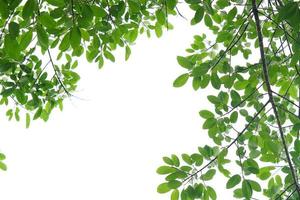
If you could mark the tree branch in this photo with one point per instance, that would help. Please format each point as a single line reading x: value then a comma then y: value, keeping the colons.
x: 266, y: 76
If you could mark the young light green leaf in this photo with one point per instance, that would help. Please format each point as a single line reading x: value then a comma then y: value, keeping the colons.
x: 163, y: 188
x: 175, y: 195
x: 27, y: 120
x: 184, y: 62
x: 165, y: 170
x: 181, y: 80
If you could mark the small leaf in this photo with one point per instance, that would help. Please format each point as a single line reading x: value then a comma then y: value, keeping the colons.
x: 196, y: 83
x: 174, y: 184
x: 175, y: 160
x: 14, y: 29
x: 211, y: 192
x: 46, y: 20
x: 65, y: 43
x: 184, y: 62
x: 175, y: 195
x: 75, y: 37
x: 206, y: 114
x: 42, y: 36
x: 208, y: 175
x: 207, y: 20
x: 163, y: 188
x: 233, y: 181
x: 29, y: 8
x: 3, y: 166
x: 198, y: 16
x: 127, y: 52
x: 27, y: 120
x: 209, y: 123
x: 25, y: 40
x: 161, y: 17
x: 246, y: 189
x: 181, y: 80
x: 165, y: 170
x: 231, y: 14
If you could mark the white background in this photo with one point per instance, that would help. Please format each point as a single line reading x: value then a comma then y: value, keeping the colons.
x: 109, y: 145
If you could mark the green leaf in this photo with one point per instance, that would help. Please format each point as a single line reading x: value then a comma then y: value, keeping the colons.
x: 207, y: 20
x: 186, y: 158
x: 255, y: 185
x: 11, y: 47
x: 14, y: 29
x: 163, y: 188
x: 158, y: 30
x: 29, y: 9
x: 109, y: 56
x: 42, y: 36
x: 165, y: 170
x: 7, y: 92
x: 25, y: 40
x: 196, y: 83
x: 127, y: 52
x: 197, y: 158
x: 297, y: 145
x: 27, y: 120
x: 290, y: 12
x: 208, y: 175
x: 184, y: 62
x: 233, y: 181
x: 174, y: 184
x: 287, y: 11
x: 181, y: 80
x: 206, y: 114
x: 234, y: 117
x: 57, y: 3
x: 65, y: 43
x: 161, y: 17
x: 236, y: 98
x: 251, y: 165
x: 21, y: 97
x: 198, y: 15
x: 200, y: 70
x: 3, y: 166
x: 175, y: 160
x: 2, y: 156
x: 75, y: 37
x: 4, y: 10
x: 211, y: 192
x: 215, y: 81
x: 209, y: 123
x: 134, y: 6
x: 46, y: 20
x: 231, y: 14
x: 38, y: 113
x: 246, y: 189
x: 133, y: 34
x: 175, y: 195
x: 168, y: 161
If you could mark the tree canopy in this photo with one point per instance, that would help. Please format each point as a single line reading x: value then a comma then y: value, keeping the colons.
x: 255, y: 123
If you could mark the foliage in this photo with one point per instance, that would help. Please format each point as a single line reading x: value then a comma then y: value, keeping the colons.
x: 263, y: 94
x: 40, y: 40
